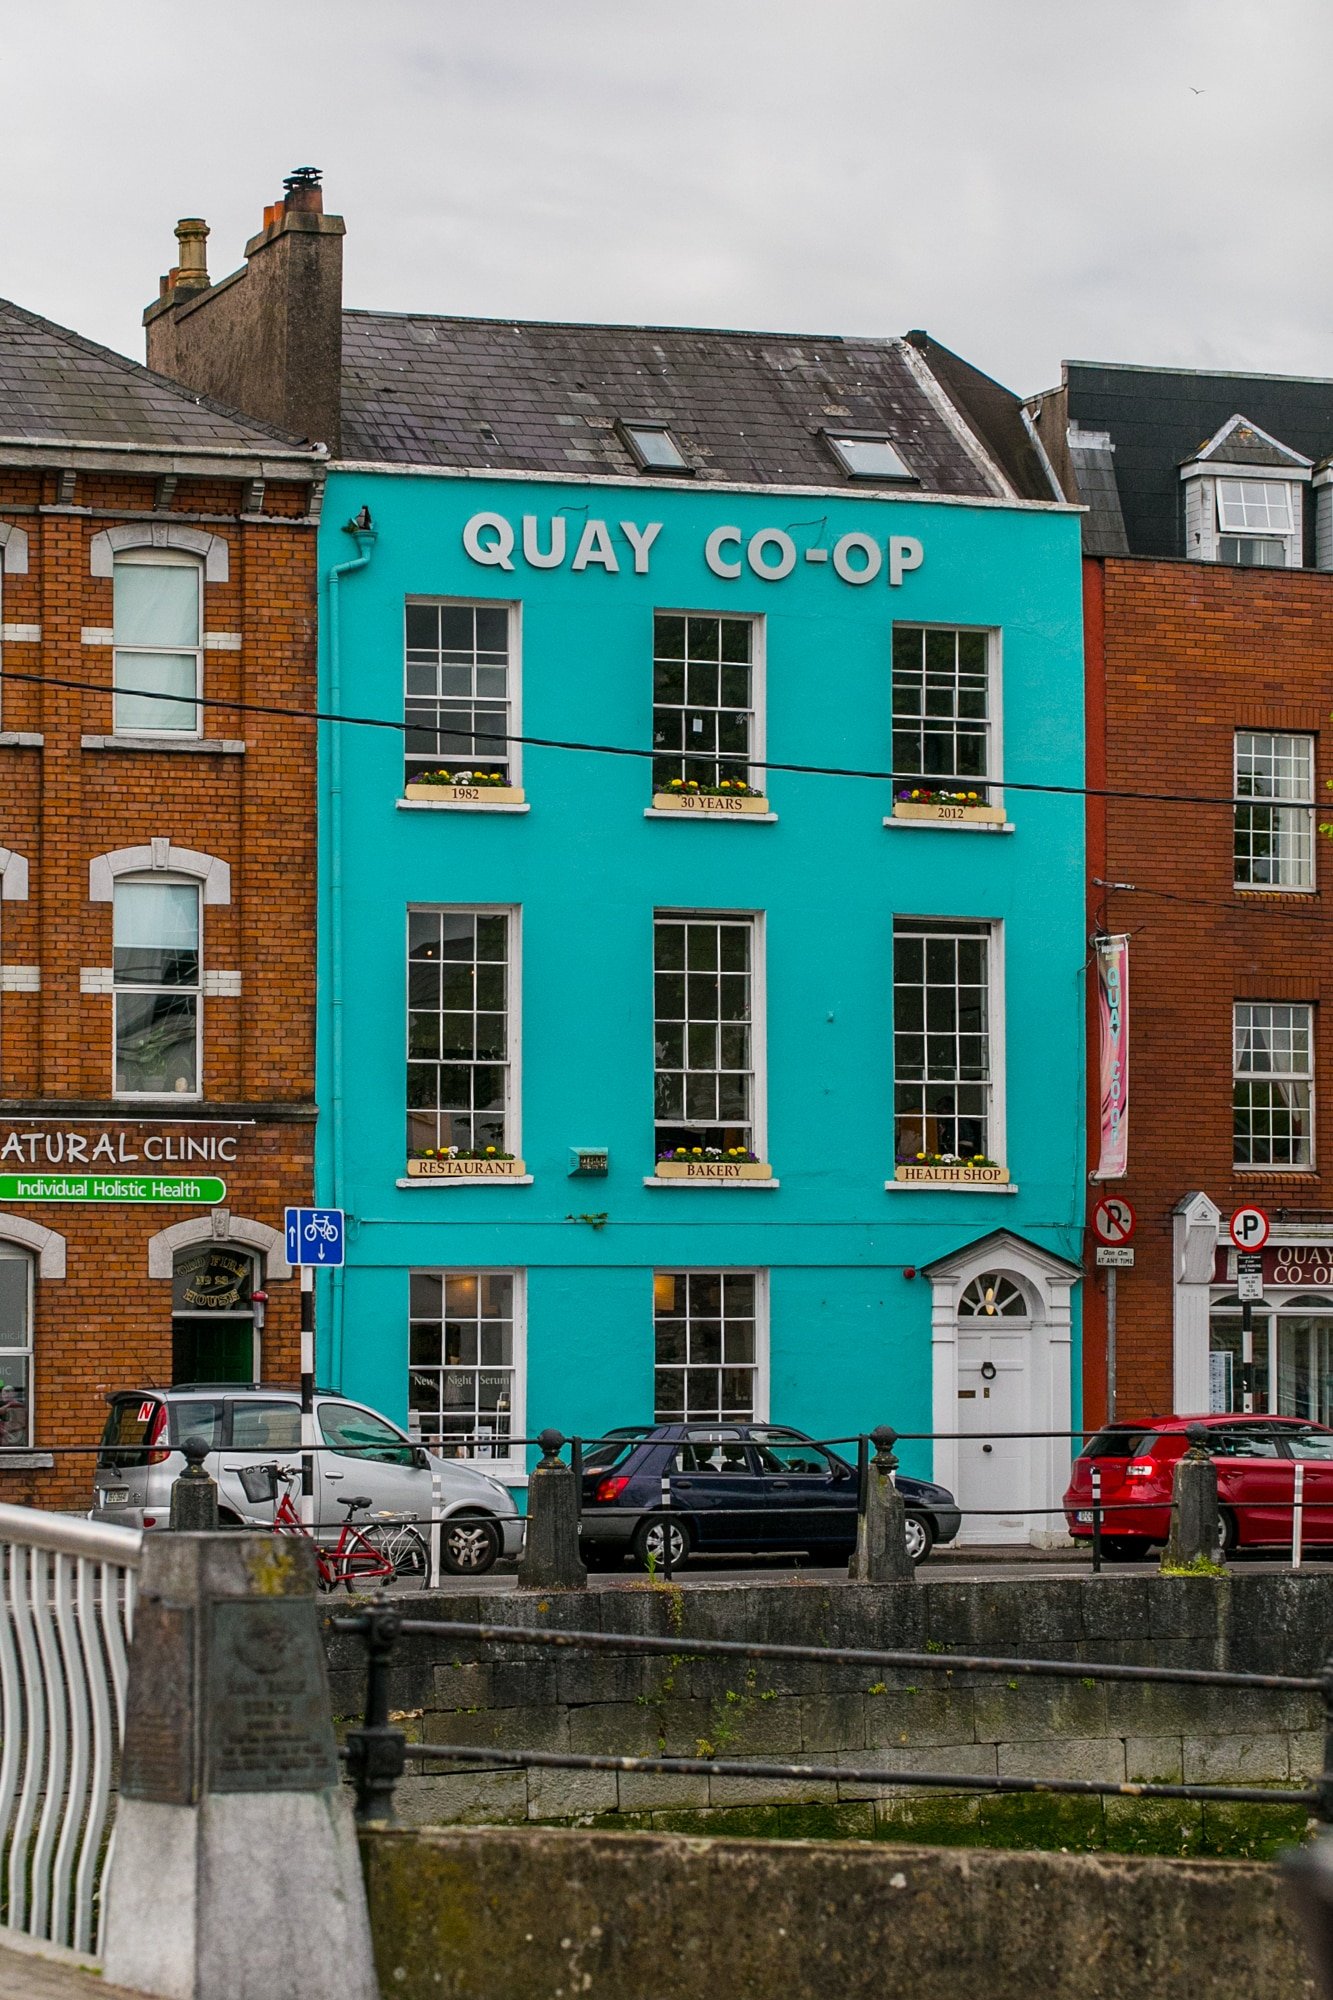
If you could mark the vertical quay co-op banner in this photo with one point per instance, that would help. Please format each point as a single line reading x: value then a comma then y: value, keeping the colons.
x: 1113, y: 1039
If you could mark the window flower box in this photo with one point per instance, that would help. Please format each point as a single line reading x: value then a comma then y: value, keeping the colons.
x: 457, y: 1166
x: 940, y: 803
x: 464, y: 788
x: 947, y: 1170
x: 710, y: 1163
x: 732, y: 795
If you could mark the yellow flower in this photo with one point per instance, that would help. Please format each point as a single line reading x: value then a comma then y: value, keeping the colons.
x: 678, y: 781
x: 921, y: 1156
x: 697, y: 1151
x: 490, y: 1149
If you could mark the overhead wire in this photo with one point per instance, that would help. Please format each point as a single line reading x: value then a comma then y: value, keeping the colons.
x: 236, y: 705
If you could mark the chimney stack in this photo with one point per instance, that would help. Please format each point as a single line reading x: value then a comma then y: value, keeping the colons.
x: 267, y: 339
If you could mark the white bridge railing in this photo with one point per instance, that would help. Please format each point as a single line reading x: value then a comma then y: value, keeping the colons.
x: 66, y: 1606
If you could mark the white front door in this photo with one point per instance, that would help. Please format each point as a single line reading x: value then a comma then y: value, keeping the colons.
x: 993, y: 1396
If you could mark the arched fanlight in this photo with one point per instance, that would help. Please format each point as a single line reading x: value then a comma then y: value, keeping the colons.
x: 992, y: 1296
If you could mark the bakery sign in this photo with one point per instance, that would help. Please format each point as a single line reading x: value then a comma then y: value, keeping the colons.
x: 113, y: 1162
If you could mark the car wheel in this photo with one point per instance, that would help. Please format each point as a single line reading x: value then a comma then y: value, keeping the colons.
x: 649, y: 1545
x: 920, y: 1537
x: 469, y: 1545
x: 1123, y: 1548
x: 1228, y: 1535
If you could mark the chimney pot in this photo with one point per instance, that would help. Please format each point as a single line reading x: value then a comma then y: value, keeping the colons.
x: 302, y: 192
x: 192, y: 235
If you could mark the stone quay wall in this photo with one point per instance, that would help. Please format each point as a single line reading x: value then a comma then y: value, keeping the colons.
x: 448, y: 1690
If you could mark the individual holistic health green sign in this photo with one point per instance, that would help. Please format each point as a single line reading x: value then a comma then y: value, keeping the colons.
x: 112, y: 1187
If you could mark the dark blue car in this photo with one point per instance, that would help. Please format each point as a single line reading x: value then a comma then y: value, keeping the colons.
x: 734, y: 1488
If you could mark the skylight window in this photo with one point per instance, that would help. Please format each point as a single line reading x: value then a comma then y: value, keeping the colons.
x: 654, y: 447
x: 867, y: 455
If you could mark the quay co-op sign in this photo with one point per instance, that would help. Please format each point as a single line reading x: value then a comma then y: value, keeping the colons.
x: 87, y: 1164
x: 769, y: 553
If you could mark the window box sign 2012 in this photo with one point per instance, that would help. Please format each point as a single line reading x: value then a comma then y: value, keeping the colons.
x: 203, y: 1188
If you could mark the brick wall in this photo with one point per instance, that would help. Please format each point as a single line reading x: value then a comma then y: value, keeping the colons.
x: 107, y: 1324
x: 1180, y: 656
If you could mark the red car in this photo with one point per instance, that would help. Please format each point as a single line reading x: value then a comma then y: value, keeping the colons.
x: 1256, y: 1458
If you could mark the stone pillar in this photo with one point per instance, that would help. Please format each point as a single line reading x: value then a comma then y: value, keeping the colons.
x: 551, y: 1559
x: 1193, y: 1536
x: 235, y: 1874
x: 194, y: 1496
x: 881, y: 1529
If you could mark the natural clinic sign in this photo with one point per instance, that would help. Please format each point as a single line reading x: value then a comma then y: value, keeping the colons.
x: 770, y: 554
x: 111, y: 1146
x: 112, y: 1187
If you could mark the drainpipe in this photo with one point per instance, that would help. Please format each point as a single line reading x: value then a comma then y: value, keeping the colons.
x: 363, y: 534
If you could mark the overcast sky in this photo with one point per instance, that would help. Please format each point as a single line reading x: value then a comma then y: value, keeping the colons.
x: 1144, y: 180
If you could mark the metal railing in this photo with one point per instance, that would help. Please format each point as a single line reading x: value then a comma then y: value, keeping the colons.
x: 376, y: 1753
x: 66, y: 1609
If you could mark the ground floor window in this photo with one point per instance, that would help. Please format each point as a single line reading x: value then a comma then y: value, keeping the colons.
x: 15, y: 1346
x: 1284, y: 1365
x: 708, y: 1337
x: 466, y: 1343
x: 213, y: 1336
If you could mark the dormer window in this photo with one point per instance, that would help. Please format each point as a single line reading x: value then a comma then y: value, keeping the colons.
x: 1243, y: 493
x: 867, y: 455
x: 1254, y: 520
x: 654, y: 447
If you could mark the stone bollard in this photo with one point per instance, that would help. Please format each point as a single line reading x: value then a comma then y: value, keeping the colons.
x: 881, y: 1529
x: 235, y: 1873
x: 1194, y: 1518
x: 194, y: 1496
x: 551, y: 1559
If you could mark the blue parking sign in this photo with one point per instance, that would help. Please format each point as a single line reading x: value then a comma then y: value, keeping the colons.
x: 314, y: 1236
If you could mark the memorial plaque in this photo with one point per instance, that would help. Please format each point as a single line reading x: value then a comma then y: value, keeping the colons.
x: 158, y: 1758
x: 268, y: 1704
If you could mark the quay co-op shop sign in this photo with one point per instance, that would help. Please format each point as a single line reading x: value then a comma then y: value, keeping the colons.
x: 769, y: 554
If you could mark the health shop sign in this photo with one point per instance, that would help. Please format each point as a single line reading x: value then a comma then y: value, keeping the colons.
x: 133, y: 1161
x: 1113, y: 1039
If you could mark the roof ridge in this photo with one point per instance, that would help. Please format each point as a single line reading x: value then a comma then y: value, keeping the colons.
x: 191, y: 398
x: 623, y: 326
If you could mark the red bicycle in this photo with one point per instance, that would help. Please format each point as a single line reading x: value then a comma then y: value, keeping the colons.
x: 357, y: 1559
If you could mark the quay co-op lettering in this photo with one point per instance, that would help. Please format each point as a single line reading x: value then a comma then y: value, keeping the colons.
x: 771, y: 554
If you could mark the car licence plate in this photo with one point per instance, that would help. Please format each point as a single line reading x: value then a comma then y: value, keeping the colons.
x: 114, y: 1496
x: 1083, y: 1514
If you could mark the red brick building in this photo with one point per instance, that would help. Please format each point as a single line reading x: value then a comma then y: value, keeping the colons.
x: 157, y: 891
x: 1209, y: 636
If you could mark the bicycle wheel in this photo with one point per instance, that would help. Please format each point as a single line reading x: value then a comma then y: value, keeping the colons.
x: 357, y: 1563
x: 404, y: 1545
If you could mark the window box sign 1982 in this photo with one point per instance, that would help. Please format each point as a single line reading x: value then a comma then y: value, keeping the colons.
x: 465, y: 795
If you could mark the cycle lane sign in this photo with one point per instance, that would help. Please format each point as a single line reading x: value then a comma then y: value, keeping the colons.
x: 314, y: 1236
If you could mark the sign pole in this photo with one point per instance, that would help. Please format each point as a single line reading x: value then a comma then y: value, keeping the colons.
x: 1247, y: 1356
x: 1111, y: 1276
x: 308, y: 1395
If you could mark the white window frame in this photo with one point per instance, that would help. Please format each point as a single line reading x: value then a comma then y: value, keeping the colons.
x: 153, y: 558
x: 15, y: 1253
x: 762, y: 1295
x: 166, y: 879
x: 838, y: 440
x: 994, y: 637
x: 510, y: 1466
x: 513, y: 1140
x: 1252, y: 800
x: 1265, y: 531
x: 755, y: 775
x: 513, y: 610
x: 758, y: 1013
x: 997, y: 1137
x: 1272, y: 1076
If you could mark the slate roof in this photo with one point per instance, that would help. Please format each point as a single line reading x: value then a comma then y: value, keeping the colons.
x: 56, y: 387
x: 1092, y: 463
x: 748, y: 407
x: 1157, y: 418
x: 1241, y: 443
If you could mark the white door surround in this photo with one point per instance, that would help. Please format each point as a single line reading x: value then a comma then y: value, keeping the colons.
x: 1026, y: 1342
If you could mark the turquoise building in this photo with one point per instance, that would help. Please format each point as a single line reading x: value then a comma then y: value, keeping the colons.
x: 672, y: 1064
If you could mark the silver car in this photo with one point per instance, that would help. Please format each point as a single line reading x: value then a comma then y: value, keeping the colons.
x: 362, y: 1454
